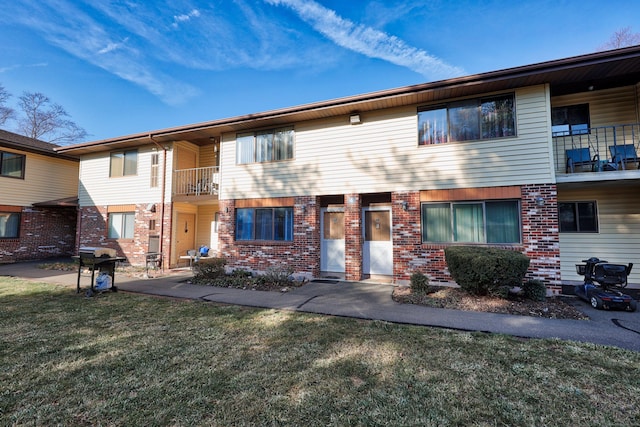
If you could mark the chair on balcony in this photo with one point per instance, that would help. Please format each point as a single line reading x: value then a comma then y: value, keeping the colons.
x: 623, y: 154
x: 579, y: 157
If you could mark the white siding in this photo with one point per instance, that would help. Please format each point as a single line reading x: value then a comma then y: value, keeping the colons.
x: 618, y: 239
x: 98, y: 189
x: 382, y: 154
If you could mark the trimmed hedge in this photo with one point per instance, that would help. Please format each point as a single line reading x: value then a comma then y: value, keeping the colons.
x: 482, y: 271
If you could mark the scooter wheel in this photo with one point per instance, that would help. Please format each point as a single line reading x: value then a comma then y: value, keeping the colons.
x: 596, y: 302
x: 633, y: 305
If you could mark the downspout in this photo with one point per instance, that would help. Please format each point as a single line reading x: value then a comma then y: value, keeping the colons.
x: 162, y: 200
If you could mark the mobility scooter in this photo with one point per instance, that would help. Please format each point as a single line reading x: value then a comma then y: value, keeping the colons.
x: 603, y: 283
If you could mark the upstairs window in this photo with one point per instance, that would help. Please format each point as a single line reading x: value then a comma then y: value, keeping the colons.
x: 264, y: 224
x: 12, y: 164
x: 468, y: 120
x: 265, y: 146
x: 155, y: 170
x: 570, y: 120
x: 124, y: 163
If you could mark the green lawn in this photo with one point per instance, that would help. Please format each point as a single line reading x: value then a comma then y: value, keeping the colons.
x: 125, y: 360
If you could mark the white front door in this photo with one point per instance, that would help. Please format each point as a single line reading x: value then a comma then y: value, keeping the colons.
x: 377, y: 254
x: 332, y: 241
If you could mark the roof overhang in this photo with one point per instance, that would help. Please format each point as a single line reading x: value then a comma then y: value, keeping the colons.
x: 67, y: 202
x: 598, y: 70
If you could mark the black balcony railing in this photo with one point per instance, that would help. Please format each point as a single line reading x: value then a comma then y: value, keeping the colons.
x: 598, y: 149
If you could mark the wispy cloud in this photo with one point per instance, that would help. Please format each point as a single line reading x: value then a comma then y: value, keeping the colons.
x: 18, y: 66
x: 178, y: 19
x: 111, y: 46
x: 368, y: 41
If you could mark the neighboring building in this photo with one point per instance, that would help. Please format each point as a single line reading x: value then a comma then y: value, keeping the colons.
x: 38, y: 199
x: 380, y: 184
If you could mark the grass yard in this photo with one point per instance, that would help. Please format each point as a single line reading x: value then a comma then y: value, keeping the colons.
x: 121, y: 359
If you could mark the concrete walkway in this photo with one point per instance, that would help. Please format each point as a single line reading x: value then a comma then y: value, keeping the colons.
x: 369, y: 301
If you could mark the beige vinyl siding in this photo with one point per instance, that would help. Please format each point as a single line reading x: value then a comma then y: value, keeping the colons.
x: 618, y: 239
x: 45, y: 178
x: 606, y: 107
x: 205, y: 219
x: 382, y: 154
x: 98, y: 189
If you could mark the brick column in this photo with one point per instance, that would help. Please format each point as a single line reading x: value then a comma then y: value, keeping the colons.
x: 353, y: 239
x: 406, y: 235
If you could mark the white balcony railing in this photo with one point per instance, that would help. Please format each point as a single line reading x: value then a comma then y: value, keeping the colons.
x: 196, y: 181
x: 598, y: 149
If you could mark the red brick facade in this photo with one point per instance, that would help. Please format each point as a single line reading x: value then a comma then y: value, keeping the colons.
x: 540, y: 239
x: 44, y: 233
x: 93, y: 226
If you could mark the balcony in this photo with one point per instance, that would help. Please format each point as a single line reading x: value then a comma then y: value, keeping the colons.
x: 197, y: 181
x: 599, y: 153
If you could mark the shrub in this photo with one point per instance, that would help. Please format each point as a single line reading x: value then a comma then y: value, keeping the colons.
x: 482, y: 271
x: 419, y: 283
x: 535, y: 290
x: 277, y: 275
x: 209, y: 268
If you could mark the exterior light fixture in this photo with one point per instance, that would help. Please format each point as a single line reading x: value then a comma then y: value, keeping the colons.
x: 405, y: 205
x: 539, y: 201
x: 354, y: 119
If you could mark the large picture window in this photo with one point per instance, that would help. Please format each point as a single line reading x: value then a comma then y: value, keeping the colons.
x: 468, y: 120
x: 471, y: 222
x: 9, y: 225
x: 265, y: 146
x: 12, y: 164
x: 264, y: 224
x: 578, y: 217
x: 124, y: 163
x: 121, y: 225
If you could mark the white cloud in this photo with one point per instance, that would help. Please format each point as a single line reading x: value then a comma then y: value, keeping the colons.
x: 177, y: 19
x: 111, y: 46
x: 368, y: 41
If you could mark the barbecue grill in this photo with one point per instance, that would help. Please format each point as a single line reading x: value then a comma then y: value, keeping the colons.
x: 102, y: 260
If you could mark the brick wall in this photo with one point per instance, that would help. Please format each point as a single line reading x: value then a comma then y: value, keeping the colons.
x: 93, y: 223
x: 44, y: 233
x: 303, y: 254
x: 353, y: 239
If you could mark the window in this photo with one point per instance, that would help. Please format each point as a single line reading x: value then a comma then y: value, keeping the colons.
x: 471, y: 222
x: 472, y: 119
x: 264, y: 224
x: 121, y: 225
x: 124, y: 163
x: 154, y: 170
x: 570, y: 120
x: 578, y: 217
x: 9, y: 225
x: 12, y: 164
x: 264, y: 146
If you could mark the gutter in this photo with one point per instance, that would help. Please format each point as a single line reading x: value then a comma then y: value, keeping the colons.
x: 162, y: 198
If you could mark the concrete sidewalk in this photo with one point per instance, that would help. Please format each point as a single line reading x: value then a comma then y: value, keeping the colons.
x: 369, y: 301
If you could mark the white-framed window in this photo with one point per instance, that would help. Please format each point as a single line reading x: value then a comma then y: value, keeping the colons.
x: 264, y: 224
x: 155, y: 170
x: 9, y: 225
x: 123, y: 163
x: 469, y: 120
x: 265, y: 146
x: 121, y: 225
x: 494, y: 222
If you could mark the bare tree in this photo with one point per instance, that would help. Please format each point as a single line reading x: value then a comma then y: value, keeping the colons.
x: 6, y: 113
x: 47, y: 121
x: 621, y: 38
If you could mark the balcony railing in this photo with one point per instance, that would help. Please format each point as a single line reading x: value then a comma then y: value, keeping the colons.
x: 598, y: 149
x: 196, y: 181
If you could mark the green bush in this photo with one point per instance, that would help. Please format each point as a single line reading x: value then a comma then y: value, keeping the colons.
x: 419, y: 283
x: 277, y: 275
x: 482, y: 271
x: 535, y: 290
x: 209, y: 268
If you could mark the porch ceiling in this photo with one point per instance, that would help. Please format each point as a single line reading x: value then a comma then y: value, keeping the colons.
x: 601, y: 70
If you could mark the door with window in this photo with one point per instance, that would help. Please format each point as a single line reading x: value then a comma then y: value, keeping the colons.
x: 377, y: 254
x: 332, y: 242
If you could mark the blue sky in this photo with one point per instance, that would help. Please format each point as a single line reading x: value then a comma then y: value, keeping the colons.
x: 123, y: 66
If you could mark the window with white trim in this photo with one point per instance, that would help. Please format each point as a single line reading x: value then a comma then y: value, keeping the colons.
x: 265, y: 146
x: 123, y: 163
x: 9, y: 225
x: 264, y: 224
x: 121, y: 225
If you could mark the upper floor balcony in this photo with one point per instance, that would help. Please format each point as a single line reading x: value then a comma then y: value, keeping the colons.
x: 598, y: 153
x: 202, y: 182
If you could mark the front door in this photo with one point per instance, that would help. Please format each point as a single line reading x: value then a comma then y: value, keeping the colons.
x: 185, y: 233
x: 377, y: 254
x: 332, y: 243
